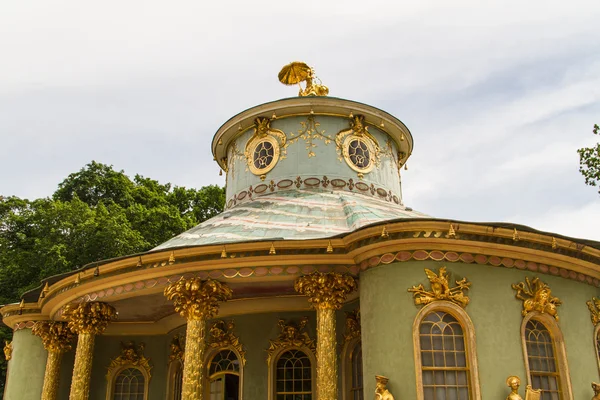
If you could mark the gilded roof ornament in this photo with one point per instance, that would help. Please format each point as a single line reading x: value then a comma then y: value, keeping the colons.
x: 292, y: 335
x: 221, y: 335
x: 131, y: 355
x: 441, y: 290
x: 536, y: 296
x: 297, y: 72
x: 594, y: 307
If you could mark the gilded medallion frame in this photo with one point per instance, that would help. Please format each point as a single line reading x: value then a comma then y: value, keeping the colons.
x: 370, y: 147
x: 252, y: 145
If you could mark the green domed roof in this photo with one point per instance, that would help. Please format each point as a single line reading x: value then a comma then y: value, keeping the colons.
x: 293, y: 215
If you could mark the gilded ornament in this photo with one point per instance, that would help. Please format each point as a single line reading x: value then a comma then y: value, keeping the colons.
x: 594, y: 307
x: 451, y: 232
x: 8, y: 349
x: 352, y: 325
x: 131, y: 355
x: 297, y: 72
x: 176, y: 349
x: 89, y: 317
x: 513, y: 382
x: 536, y: 296
x: 309, y: 132
x: 292, y: 335
x: 272, y: 250
x: 357, y: 146
x: 56, y: 336
x: 326, y: 290
x: 172, y: 258
x: 441, y: 290
x: 381, y: 390
x: 329, y: 247
x: 596, y: 389
x: 197, y: 299
x: 263, y: 148
x: 221, y: 335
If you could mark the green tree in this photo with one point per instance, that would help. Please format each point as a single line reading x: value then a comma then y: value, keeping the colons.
x: 95, y: 214
x: 589, y: 162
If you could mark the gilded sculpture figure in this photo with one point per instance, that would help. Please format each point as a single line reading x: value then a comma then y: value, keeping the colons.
x: 594, y: 307
x: 352, y: 325
x: 381, y: 390
x: 292, y: 334
x: 8, y: 349
x: 596, y: 389
x: 513, y: 382
x: 176, y: 349
x: 221, y: 335
x: 297, y: 72
x: 131, y: 355
x: 441, y: 290
x: 536, y: 296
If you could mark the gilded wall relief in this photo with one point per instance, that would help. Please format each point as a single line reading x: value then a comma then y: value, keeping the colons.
x: 594, y: 307
x: 291, y: 334
x: 176, y: 349
x: 309, y: 132
x: 440, y: 289
x: 264, y: 147
x: 357, y: 146
x: 352, y: 326
x: 131, y: 355
x: 221, y: 336
x: 536, y: 296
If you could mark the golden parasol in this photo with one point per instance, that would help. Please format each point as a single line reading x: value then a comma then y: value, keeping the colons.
x: 294, y: 72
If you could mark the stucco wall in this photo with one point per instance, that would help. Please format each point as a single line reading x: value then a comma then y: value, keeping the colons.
x: 26, y: 368
x: 388, y: 312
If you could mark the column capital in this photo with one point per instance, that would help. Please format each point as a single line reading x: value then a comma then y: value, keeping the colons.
x: 195, y: 299
x: 89, y: 317
x: 55, y: 335
x: 326, y: 290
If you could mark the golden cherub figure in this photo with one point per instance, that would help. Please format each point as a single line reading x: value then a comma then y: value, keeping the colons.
x: 441, y: 290
x: 381, y: 391
x: 536, y: 296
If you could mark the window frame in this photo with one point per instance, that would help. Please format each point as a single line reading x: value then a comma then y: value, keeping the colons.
x: 465, y: 322
x: 347, y: 352
x: 272, y: 381
x: 596, y: 339
x: 208, y: 359
x: 560, y: 352
x: 174, y: 366
x: 112, y: 378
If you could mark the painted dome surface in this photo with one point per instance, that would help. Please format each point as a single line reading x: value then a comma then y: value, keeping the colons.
x: 293, y: 215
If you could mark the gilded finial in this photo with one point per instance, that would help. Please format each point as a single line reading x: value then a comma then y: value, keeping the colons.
x: 172, y: 258
x: 451, y: 232
x: 220, y: 142
x: 272, y: 249
x: 384, y: 233
x: 297, y: 72
x: 515, y: 235
x: 21, y: 306
x: 97, y: 271
x: 224, y: 253
x: 44, y: 291
x: 220, y: 172
x: 139, y: 263
x: 554, y: 245
x: 77, y: 279
x: 329, y: 247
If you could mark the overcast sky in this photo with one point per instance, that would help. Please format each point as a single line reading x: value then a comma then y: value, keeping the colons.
x: 498, y: 97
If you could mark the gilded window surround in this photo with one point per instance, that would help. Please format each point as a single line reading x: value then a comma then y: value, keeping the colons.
x: 210, y: 355
x: 273, y: 366
x: 110, y: 390
x: 346, y: 366
x: 470, y: 343
x: 559, y: 349
x: 597, y: 345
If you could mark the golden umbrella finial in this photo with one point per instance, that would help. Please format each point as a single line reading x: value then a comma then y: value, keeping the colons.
x: 297, y: 72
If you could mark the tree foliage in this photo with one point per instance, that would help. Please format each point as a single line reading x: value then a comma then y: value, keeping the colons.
x: 95, y: 214
x: 589, y: 162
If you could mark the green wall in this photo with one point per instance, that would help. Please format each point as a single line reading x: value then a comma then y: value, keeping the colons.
x: 388, y: 312
x: 26, y: 368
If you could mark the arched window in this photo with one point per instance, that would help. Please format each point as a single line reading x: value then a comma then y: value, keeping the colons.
x: 545, y: 356
x: 223, y: 376
x: 352, y: 373
x: 293, y: 376
x: 175, y: 381
x: 129, y: 384
x: 445, y: 355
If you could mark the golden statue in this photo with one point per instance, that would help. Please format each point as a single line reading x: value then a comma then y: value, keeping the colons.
x: 381, y: 391
x: 8, y: 349
x: 536, y: 296
x: 596, y: 388
x: 296, y: 72
x: 513, y: 382
x: 441, y: 290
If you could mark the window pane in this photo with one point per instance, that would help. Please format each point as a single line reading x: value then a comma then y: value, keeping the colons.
x: 542, y: 361
x: 129, y: 385
x: 293, y: 376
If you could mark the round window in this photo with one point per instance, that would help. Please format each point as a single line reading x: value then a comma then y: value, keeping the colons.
x: 262, y: 156
x: 359, y: 153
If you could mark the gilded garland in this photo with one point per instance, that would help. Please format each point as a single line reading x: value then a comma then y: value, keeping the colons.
x: 221, y: 336
x: 55, y: 335
x: 131, y: 356
x: 326, y: 290
x: 441, y: 290
x: 292, y: 335
x: 536, y: 296
x: 89, y: 317
x: 594, y: 307
x: 197, y: 299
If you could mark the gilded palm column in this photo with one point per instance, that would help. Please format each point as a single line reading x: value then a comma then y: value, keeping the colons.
x: 326, y: 293
x: 195, y: 300
x: 57, y: 339
x: 87, y: 320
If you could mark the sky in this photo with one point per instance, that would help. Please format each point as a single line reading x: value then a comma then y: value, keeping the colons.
x: 498, y: 95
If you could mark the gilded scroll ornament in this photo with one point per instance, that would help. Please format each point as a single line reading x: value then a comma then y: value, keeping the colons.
x: 596, y: 389
x: 381, y: 390
x: 352, y: 325
x: 264, y: 147
x: 131, y: 355
x: 441, y: 290
x: 297, y: 72
x: 513, y: 382
x: 536, y: 296
x: 594, y: 307
x: 292, y: 335
x: 326, y: 290
x: 357, y: 146
x: 56, y: 336
x: 197, y: 299
x: 221, y: 335
x: 309, y: 132
x: 176, y: 349
x: 8, y: 349
x: 89, y: 317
